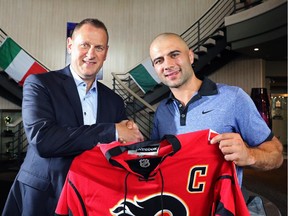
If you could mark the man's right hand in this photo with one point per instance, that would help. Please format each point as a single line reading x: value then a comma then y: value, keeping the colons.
x: 128, y: 131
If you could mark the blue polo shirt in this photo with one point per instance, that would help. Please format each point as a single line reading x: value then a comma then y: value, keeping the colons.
x: 215, y: 106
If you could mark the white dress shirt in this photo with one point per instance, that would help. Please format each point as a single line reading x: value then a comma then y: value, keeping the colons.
x: 89, y: 100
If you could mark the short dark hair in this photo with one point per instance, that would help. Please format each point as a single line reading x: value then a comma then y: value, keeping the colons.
x: 94, y: 22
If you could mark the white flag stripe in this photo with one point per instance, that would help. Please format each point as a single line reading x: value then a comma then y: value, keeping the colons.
x: 148, y: 66
x: 20, y: 66
x: 137, y: 84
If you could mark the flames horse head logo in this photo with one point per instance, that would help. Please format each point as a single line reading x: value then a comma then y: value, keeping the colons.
x: 158, y: 205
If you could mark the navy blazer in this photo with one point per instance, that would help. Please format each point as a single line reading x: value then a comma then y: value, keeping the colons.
x: 53, y: 122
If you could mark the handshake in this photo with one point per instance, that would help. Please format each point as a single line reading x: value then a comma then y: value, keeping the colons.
x: 128, y: 131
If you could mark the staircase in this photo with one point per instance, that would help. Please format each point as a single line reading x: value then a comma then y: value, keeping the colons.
x: 16, y: 148
x: 9, y: 89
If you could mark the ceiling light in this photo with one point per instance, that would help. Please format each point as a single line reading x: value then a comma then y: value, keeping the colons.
x: 256, y: 49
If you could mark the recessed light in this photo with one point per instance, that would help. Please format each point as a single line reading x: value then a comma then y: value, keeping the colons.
x: 256, y: 49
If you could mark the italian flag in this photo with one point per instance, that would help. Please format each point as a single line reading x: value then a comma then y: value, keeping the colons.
x: 16, y: 62
x: 144, y: 75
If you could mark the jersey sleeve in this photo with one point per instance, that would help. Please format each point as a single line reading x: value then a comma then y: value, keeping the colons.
x: 228, y: 199
x: 62, y: 206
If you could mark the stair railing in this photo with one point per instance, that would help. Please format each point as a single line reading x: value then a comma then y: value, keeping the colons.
x: 133, y: 102
x: 208, y: 24
x: 19, y: 143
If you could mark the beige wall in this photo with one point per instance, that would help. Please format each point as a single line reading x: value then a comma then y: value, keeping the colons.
x: 244, y: 72
x: 39, y: 26
x: 5, y: 104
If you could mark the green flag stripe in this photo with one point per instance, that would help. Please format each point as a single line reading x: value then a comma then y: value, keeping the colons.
x: 143, y: 78
x: 8, y: 50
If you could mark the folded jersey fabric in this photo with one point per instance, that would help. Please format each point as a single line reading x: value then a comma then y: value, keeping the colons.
x: 178, y: 175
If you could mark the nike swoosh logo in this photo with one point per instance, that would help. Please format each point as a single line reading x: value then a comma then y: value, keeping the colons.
x: 204, y: 112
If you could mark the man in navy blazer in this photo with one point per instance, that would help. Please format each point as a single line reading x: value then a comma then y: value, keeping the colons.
x: 66, y: 112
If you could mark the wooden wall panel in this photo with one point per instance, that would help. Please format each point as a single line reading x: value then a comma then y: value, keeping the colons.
x: 244, y: 72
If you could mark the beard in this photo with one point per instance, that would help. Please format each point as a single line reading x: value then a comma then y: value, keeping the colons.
x: 178, y: 81
x: 173, y: 84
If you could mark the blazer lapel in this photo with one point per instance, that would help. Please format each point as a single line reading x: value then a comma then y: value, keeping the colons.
x: 100, y: 111
x: 72, y: 94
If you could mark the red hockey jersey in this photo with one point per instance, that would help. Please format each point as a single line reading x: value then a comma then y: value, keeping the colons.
x: 179, y: 175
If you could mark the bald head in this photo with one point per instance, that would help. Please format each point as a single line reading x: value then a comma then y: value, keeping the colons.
x: 168, y: 38
x: 165, y: 42
x: 172, y: 59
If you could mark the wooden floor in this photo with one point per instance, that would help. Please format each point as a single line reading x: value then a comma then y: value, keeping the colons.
x: 272, y: 185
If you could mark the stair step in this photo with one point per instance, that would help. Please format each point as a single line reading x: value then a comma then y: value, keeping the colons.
x: 219, y: 34
x: 201, y: 51
x: 228, y: 48
x: 209, y: 43
x: 240, y: 6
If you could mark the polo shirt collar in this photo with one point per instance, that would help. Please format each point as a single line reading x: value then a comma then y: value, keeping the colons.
x: 207, y: 88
